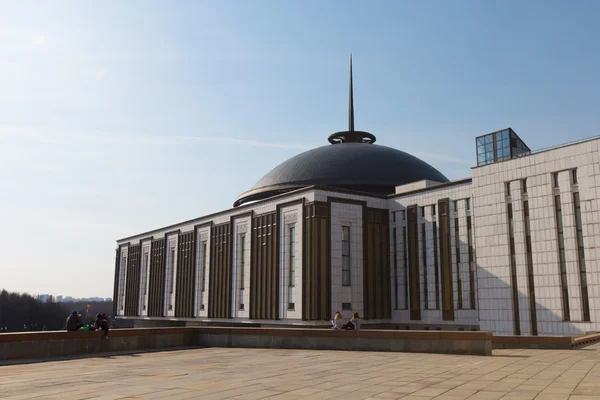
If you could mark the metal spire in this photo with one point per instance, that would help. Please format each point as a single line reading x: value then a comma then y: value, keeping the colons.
x: 351, y: 105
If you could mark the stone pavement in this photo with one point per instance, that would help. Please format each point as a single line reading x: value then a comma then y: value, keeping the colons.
x: 222, y: 373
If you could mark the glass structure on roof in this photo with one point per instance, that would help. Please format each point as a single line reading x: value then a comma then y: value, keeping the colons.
x: 499, y: 146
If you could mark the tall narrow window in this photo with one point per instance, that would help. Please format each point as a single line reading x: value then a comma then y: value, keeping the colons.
x: 436, y: 267
x: 203, y: 268
x: 507, y: 189
x: 405, y: 260
x: 555, y: 180
x: 574, y: 176
x: 202, y: 273
x: 145, y: 270
x: 446, y: 260
x: 513, y: 271
x: 345, y: 255
x: 561, y: 259
x: 123, y: 273
x: 433, y: 210
x: 468, y: 203
x: 523, y: 186
x: 471, y: 264
x: 172, y: 271
x: 585, y: 302
x: 424, y: 256
x: 395, y: 267
x: 292, y: 267
x: 457, y: 253
x: 530, y: 280
x: 242, y: 264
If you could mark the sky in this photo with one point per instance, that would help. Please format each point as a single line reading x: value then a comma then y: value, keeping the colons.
x: 121, y: 117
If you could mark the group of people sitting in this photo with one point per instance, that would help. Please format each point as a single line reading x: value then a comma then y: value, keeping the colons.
x: 100, y: 324
x: 352, y: 325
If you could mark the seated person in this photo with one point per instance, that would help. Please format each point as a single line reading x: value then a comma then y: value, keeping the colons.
x: 337, y: 320
x: 74, y: 322
x: 353, y: 324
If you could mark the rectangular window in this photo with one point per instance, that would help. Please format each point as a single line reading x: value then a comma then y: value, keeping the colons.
x: 468, y: 203
x: 242, y: 258
x: 393, y: 217
x: 292, y: 257
x: 203, y: 265
x: 561, y: 259
x: 513, y: 271
x: 346, y: 306
x: 413, y: 257
x: 457, y: 254
x: 574, y: 176
x: 585, y: 302
x: 455, y: 202
x: 424, y: 256
x: 436, y: 266
x: 555, y: 180
x: 405, y: 260
x: 144, y: 271
x: 422, y: 212
x: 403, y: 213
x: 523, y: 186
x: 530, y: 277
x: 507, y: 189
x: 395, y: 267
x: 172, y: 271
x: 123, y: 274
x: 345, y: 255
x: 471, y: 265
x: 433, y: 210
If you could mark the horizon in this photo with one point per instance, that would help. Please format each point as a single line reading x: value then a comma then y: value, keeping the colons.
x: 118, y: 120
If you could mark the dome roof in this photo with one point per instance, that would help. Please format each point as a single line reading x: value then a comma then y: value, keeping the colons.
x: 357, y: 166
x: 352, y: 162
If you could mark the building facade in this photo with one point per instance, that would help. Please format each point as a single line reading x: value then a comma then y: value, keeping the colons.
x: 358, y: 227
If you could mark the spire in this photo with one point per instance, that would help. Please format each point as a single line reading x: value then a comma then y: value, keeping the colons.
x: 351, y: 104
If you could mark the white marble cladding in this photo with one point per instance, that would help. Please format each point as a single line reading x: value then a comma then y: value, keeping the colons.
x: 491, y: 222
x: 171, y: 274
x: 290, y: 293
x: 430, y: 314
x: 350, y: 215
x: 122, y: 279
x: 240, y: 291
x: 202, y: 271
x: 144, y: 277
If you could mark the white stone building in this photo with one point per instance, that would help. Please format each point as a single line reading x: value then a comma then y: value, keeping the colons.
x: 358, y: 227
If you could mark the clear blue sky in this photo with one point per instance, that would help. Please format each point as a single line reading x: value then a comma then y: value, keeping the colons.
x: 119, y: 118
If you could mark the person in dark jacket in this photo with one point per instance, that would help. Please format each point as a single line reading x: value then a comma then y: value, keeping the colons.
x: 74, y: 322
x: 101, y: 324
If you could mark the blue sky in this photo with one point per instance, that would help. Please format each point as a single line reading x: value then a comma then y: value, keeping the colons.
x: 123, y: 117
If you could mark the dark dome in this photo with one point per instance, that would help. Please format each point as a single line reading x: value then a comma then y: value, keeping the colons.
x: 360, y: 166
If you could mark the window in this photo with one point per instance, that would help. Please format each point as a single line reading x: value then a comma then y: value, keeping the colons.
x: 292, y: 266
x: 422, y: 212
x: 471, y: 266
x: 203, y: 267
x: 458, y: 269
x: 507, y: 189
x: 433, y: 210
x: 530, y: 276
x: 468, y: 203
x: 394, y: 238
x: 585, y: 302
x: 292, y: 257
x: 574, y: 176
x: 242, y: 266
x: 403, y: 213
x: 513, y: 271
x: 555, y: 180
x: 172, y: 271
x: 436, y: 266
x: 393, y: 217
x: 123, y: 274
x: 455, y: 206
x: 345, y: 255
x: 346, y: 306
x: 523, y: 186
x: 561, y: 259
x: 424, y: 257
x: 242, y: 258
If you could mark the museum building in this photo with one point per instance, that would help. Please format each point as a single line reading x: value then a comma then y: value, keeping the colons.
x: 358, y: 227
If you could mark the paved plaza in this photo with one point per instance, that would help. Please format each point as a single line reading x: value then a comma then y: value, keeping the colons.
x: 221, y: 373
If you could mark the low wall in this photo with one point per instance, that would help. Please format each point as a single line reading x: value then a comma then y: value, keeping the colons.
x: 475, y: 343
x: 544, y: 342
x: 55, y: 344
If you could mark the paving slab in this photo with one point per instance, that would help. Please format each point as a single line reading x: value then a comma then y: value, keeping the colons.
x: 235, y: 373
